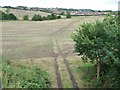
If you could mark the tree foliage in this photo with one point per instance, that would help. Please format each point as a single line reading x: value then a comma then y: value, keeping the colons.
x: 10, y: 16
x: 37, y: 18
x: 68, y: 15
x: 45, y: 18
x: 52, y: 17
x: 99, y: 43
x: 59, y: 17
x: 26, y: 17
x: 49, y: 17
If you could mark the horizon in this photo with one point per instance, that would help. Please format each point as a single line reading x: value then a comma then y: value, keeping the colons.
x: 69, y: 4
x: 60, y: 7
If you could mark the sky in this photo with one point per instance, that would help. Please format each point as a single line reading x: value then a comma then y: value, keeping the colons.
x: 76, y: 4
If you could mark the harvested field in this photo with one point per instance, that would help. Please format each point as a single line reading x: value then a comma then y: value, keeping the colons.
x: 41, y: 43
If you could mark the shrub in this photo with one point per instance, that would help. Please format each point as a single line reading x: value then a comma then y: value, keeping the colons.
x: 26, y: 17
x: 45, y: 18
x: 52, y: 17
x: 12, y: 16
x: 8, y: 16
x: 68, y: 15
x: 59, y: 17
x: 37, y: 18
x: 49, y: 17
x: 23, y: 77
x: 99, y: 43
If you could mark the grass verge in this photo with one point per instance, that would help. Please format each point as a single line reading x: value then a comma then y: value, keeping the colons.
x: 23, y: 77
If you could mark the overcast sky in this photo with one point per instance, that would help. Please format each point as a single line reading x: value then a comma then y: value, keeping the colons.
x: 76, y: 4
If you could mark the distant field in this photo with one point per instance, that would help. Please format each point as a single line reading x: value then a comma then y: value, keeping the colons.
x: 38, y: 43
x: 21, y: 13
x: 24, y: 39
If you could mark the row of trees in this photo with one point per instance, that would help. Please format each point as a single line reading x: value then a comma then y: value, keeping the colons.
x: 49, y: 17
x: 7, y: 16
x: 4, y: 16
x: 99, y: 43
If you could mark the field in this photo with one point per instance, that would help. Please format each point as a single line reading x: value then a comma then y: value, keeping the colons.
x: 47, y: 45
x: 20, y: 13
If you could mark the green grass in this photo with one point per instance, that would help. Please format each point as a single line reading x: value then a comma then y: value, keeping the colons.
x: 88, y: 74
x: 84, y: 73
x: 23, y: 77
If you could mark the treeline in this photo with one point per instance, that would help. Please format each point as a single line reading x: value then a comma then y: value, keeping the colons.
x: 7, y: 16
x: 4, y: 16
x: 42, y: 18
x: 49, y: 17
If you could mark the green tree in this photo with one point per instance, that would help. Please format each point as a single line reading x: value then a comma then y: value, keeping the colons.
x: 4, y: 16
x: 12, y: 16
x: 52, y: 17
x: 8, y: 16
x: 68, y: 15
x: 37, y: 18
x: 26, y: 17
x: 45, y: 18
x: 49, y: 17
x: 99, y: 43
x: 59, y: 17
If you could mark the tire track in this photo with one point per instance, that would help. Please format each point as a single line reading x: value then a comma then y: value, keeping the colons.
x: 74, y: 83
x: 58, y: 76
x: 58, y: 51
x: 71, y: 75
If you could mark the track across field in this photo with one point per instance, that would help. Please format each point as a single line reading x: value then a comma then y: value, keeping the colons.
x: 47, y: 44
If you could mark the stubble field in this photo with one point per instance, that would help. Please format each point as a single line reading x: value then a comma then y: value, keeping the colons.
x: 46, y: 44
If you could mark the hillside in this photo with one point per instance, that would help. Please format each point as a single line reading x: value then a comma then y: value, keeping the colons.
x: 21, y: 13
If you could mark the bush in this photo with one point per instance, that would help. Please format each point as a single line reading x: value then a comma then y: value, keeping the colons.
x: 49, y: 17
x: 26, y: 17
x: 5, y: 16
x: 10, y: 16
x: 45, y: 18
x: 52, y: 17
x: 23, y: 77
x: 99, y: 43
x: 68, y: 15
x: 59, y: 17
x: 37, y: 18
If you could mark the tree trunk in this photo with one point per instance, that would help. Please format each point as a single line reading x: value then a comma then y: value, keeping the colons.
x: 98, y: 70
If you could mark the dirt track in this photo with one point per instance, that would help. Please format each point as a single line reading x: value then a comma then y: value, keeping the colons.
x: 60, y: 52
